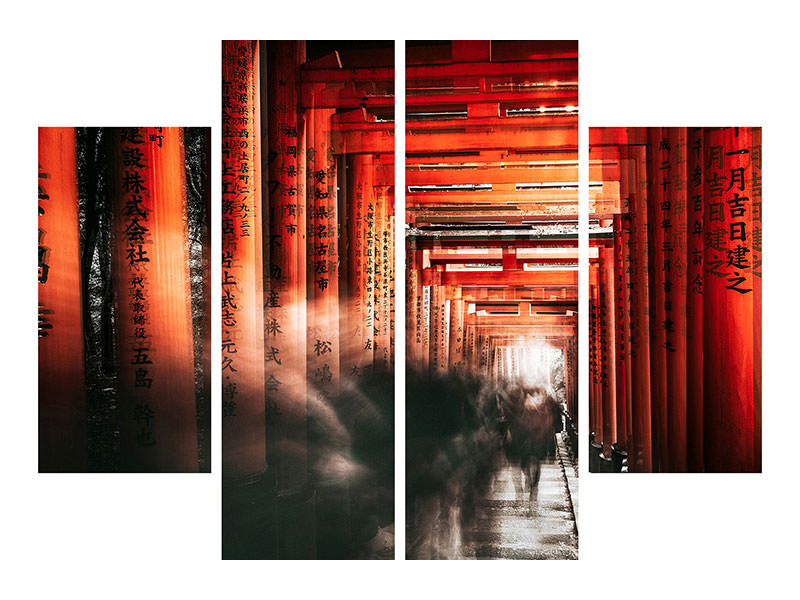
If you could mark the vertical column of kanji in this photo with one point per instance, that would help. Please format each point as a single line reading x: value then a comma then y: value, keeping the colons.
x: 675, y: 251
x: 469, y: 326
x: 243, y: 400
x: 285, y: 315
x: 756, y: 243
x: 390, y: 263
x: 437, y: 307
x: 573, y: 367
x: 158, y: 428
x: 728, y: 302
x: 568, y: 375
x: 694, y: 299
x: 383, y: 281
x: 635, y: 171
x: 592, y: 356
x: 370, y: 267
x: 323, y: 271
x: 658, y: 180
x: 62, y: 394
x: 426, y: 313
x: 627, y: 325
x: 595, y: 397
x: 360, y: 331
x: 414, y: 308
x: 608, y: 332
x: 456, y: 330
x: 620, y: 334
x: 485, y: 351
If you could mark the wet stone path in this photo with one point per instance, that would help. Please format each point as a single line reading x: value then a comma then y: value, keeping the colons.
x: 510, y: 526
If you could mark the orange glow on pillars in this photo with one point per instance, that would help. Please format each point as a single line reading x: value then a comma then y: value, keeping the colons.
x: 62, y: 395
x: 243, y: 352
x: 729, y: 301
x: 360, y: 331
x: 285, y: 303
x: 607, y: 329
x: 154, y: 324
x: 323, y: 256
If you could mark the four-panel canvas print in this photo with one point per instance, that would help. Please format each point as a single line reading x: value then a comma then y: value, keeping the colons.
x: 490, y: 217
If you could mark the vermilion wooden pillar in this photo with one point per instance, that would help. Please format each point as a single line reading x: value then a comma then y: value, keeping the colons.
x: 243, y: 352
x: 151, y: 280
x: 323, y: 257
x: 658, y: 169
x: 383, y: 280
x: 285, y: 272
x: 62, y: 393
x: 414, y: 327
x: 675, y: 297
x: 425, y: 354
x: 439, y: 322
x: 729, y: 302
x: 391, y: 266
x: 635, y: 172
x: 694, y: 298
x: 456, y: 330
x: 620, y: 309
x: 361, y: 331
x: 596, y: 397
x: 755, y: 152
x: 608, y: 331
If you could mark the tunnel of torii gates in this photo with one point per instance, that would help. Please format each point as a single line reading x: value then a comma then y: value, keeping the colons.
x: 491, y: 209
x: 675, y: 299
x: 307, y: 243
x: 150, y: 277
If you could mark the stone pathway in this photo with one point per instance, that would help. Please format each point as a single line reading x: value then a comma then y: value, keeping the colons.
x: 510, y: 526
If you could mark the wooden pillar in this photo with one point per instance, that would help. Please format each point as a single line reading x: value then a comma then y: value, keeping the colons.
x: 62, y: 392
x: 390, y: 268
x: 456, y: 360
x: 608, y: 333
x: 285, y: 246
x: 635, y: 176
x: 755, y: 155
x: 675, y: 256
x: 728, y: 298
x: 426, y: 328
x: 440, y: 322
x: 383, y: 280
x: 414, y: 312
x: 595, y: 358
x: 323, y: 257
x: 243, y: 352
x: 694, y: 299
x: 158, y: 422
x: 361, y: 273
x: 620, y: 314
x: 658, y: 179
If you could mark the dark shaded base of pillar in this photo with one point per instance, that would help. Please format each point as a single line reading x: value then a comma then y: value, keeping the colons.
x: 260, y: 524
x: 595, y: 451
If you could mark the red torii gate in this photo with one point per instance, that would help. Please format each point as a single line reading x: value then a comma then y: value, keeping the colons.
x: 677, y: 279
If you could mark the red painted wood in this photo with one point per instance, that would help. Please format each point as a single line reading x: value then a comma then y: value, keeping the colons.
x: 729, y: 302
x: 157, y: 405
x: 640, y: 454
x: 286, y: 268
x: 62, y: 393
x: 243, y: 353
x: 694, y: 298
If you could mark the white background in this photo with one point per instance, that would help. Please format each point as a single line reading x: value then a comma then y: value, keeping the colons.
x: 158, y: 63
